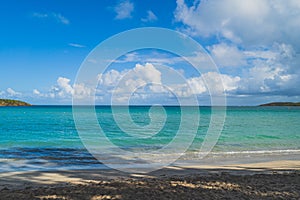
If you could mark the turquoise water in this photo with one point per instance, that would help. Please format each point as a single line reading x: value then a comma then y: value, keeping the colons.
x: 45, y: 137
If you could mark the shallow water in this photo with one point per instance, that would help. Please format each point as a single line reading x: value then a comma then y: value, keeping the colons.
x: 45, y: 137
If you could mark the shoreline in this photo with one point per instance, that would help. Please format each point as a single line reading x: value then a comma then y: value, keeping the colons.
x: 65, y: 162
x: 273, y: 179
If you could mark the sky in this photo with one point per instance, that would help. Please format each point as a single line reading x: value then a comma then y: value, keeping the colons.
x: 255, y: 45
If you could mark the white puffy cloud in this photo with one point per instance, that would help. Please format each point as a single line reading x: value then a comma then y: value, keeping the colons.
x: 64, y: 90
x: 150, y: 82
x: 227, y: 55
x: 265, y: 77
x: 279, y: 52
x: 220, y: 83
x: 271, y: 71
x: 12, y: 93
x: 82, y: 91
x: 143, y: 84
x: 124, y: 9
x: 128, y: 81
x: 251, y: 22
x: 36, y: 92
x: 64, y: 86
x: 270, y: 78
x: 110, y: 78
x: 258, y: 38
x: 210, y: 82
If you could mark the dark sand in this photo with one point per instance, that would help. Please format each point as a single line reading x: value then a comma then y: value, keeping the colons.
x: 269, y: 180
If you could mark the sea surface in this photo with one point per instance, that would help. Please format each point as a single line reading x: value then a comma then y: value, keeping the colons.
x: 46, y: 138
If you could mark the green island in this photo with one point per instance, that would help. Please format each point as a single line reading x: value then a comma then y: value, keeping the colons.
x: 281, y: 104
x: 10, y: 102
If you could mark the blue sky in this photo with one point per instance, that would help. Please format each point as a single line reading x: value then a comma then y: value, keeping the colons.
x: 254, y: 43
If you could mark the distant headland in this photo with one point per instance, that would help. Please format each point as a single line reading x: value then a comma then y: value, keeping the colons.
x: 281, y: 104
x: 10, y: 102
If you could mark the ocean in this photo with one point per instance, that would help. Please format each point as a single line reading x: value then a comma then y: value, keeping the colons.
x: 46, y: 138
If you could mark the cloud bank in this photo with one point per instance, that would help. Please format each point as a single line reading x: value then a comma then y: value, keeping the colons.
x: 256, y: 40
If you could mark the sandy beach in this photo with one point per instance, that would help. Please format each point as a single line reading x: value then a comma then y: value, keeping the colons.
x: 265, y: 180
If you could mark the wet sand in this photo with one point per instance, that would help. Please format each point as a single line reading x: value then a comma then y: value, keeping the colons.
x: 265, y: 180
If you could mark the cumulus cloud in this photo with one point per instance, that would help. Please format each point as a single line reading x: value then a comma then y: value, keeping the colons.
x: 221, y: 83
x: 149, y: 81
x: 36, y: 92
x: 211, y: 83
x: 128, y: 81
x: 142, y: 83
x: 139, y: 76
x: 64, y: 86
x: 227, y: 55
x: 251, y: 22
x: 258, y: 38
x: 63, y: 89
x: 124, y: 10
x: 12, y: 93
x: 270, y: 78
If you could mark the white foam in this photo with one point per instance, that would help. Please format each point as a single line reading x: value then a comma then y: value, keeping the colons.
x: 259, y: 152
